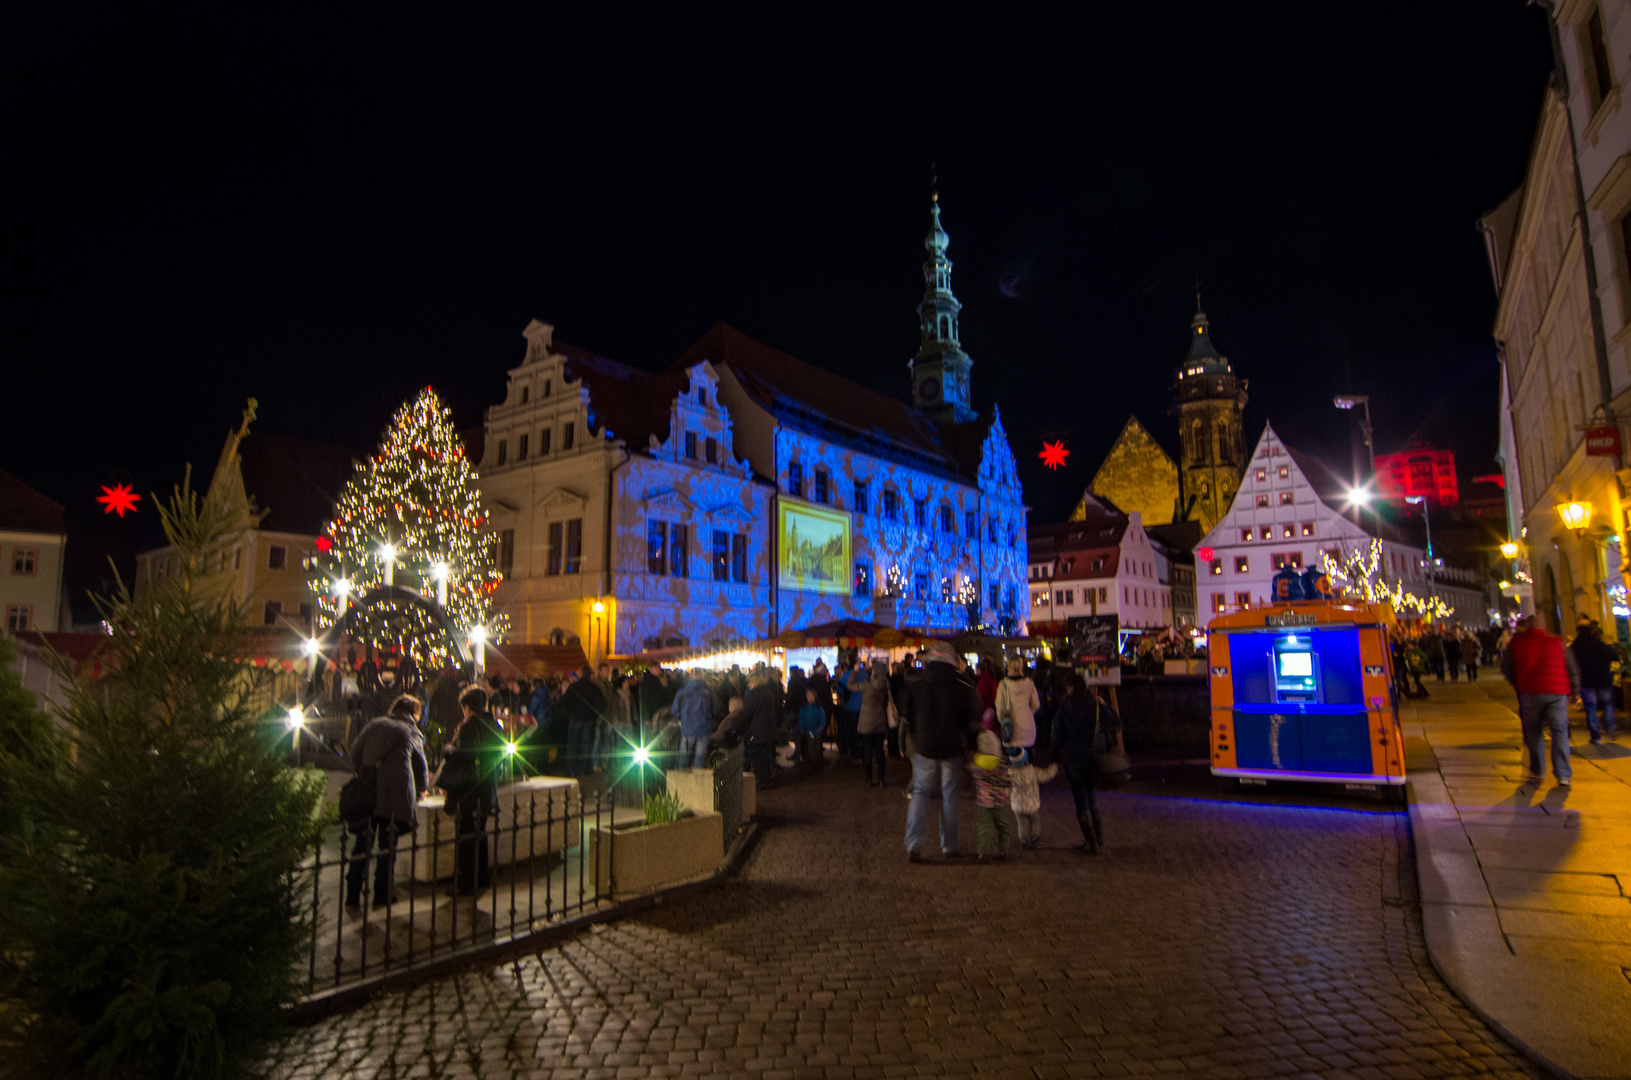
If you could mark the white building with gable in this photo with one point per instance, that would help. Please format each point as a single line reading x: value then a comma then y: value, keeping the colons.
x: 1287, y: 511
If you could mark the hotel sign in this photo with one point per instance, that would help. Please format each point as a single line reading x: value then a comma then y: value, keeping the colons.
x: 1603, y: 441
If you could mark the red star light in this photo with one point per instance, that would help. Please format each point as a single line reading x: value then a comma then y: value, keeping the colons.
x: 1053, y: 454
x: 118, y: 499
x: 324, y: 544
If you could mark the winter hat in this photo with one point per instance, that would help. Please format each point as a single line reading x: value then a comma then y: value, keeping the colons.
x: 988, y: 720
x: 940, y: 651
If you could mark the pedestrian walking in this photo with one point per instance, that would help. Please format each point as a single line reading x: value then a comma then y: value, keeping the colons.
x: 872, y: 723
x: 583, y: 705
x: 1452, y: 653
x: 760, y: 721
x: 940, y: 716
x: 1470, y: 650
x: 1026, y: 776
x: 1595, y: 658
x: 469, y: 777
x: 1080, y: 733
x: 1544, y: 674
x: 1016, y: 705
x: 812, y: 724
x: 994, y: 830
x: 1432, y: 643
x: 389, y: 757
x: 851, y: 680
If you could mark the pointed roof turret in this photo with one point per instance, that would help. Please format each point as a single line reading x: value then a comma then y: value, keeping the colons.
x: 1203, y: 358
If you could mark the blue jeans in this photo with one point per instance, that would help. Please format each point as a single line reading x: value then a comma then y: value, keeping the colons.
x: 924, y: 774
x: 1539, y: 712
x: 1594, y: 699
x: 695, y: 749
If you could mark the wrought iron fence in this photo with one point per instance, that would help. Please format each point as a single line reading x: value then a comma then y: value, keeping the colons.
x: 380, y: 908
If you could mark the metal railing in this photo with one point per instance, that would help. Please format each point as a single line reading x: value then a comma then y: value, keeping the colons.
x: 549, y: 855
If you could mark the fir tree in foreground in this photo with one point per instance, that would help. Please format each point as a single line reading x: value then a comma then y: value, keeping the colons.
x: 150, y: 853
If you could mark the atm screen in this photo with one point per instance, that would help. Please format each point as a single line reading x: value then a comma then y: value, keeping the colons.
x: 1296, y: 665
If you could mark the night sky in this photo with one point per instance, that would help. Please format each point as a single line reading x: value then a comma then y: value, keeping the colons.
x: 327, y: 213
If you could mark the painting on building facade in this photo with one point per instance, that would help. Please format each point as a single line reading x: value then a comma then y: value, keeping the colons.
x: 813, y: 547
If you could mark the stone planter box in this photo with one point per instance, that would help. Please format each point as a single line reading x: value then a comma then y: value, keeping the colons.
x: 535, y: 817
x: 695, y: 788
x: 647, y: 858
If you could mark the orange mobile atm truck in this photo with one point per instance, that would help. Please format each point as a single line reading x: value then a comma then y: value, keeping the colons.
x: 1303, y: 690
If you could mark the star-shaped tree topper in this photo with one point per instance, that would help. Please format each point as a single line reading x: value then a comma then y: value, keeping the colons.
x: 118, y: 499
x: 1053, y: 454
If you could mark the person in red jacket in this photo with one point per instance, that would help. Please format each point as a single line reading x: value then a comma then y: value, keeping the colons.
x: 1545, y: 675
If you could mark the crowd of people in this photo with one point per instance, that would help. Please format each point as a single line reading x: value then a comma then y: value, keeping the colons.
x: 1009, y: 727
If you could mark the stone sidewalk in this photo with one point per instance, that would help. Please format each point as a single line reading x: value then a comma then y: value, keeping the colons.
x: 1525, y: 888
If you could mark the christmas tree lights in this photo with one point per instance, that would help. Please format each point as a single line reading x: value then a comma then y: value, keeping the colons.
x: 412, y: 516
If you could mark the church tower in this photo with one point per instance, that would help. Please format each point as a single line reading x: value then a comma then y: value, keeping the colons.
x: 940, y: 369
x: 1208, y: 400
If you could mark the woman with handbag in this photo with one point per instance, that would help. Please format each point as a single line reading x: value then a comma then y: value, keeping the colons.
x: 1081, y: 728
x: 1016, y: 705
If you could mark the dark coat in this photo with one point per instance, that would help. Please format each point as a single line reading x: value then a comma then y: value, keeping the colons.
x: 394, y: 752
x: 1594, y: 655
x: 1079, y: 727
x: 762, y: 716
x: 470, y: 764
x: 941, y: 711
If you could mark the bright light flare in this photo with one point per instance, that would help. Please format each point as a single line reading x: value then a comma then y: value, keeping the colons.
x: 1359, y: 496
x: 510, y: 749
x: 440, y: 571
x: 342, y: 586
x: 296, y: 719
x: 478, y: 635
x: 642, y: 755
x: 1509, y: 550
x: 387, y: 553
x: 310, y: 647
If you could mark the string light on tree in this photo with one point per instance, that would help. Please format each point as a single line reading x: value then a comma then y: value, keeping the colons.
x: 412, y: 516
x: 1359, y: 573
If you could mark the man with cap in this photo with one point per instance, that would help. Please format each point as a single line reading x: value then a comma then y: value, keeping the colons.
x: 941, y: 711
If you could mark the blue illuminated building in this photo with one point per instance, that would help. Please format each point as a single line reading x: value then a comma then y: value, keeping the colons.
x: 743, y: 492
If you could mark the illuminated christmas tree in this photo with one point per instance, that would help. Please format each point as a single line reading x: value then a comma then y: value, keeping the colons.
x: 410, y: 515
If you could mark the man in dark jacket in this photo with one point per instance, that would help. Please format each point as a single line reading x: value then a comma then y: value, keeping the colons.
x: 389, y: 756
x: 651, y: 696
x: 941, y: 712
x: 761, y: 719
x: 470, y: 778
x: 1596, y: 659
x: 584, y: 704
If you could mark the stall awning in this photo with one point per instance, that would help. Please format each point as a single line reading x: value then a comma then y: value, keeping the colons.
x: 850, y: 634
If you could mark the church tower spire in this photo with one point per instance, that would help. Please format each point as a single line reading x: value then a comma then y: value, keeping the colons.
x: 1208, y: 399
x: 940, y: 385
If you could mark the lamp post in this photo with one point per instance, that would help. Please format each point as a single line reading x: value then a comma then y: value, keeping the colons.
x: 1427, y: 520
x: 1349, y: 402
x: 598, y: 608
x: 1576, y: 515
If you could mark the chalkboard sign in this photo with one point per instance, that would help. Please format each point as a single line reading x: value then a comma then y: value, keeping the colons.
x: 1095, y: 648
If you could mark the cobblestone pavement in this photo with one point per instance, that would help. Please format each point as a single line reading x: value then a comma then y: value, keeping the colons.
x: 1217, y: 937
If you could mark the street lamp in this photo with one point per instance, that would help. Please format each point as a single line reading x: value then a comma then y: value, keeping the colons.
x: 1349, y: 402
x: 478, y: 638
x: 599, y: 610
x: 440, y: 571
x: 1359, y: 496
x: 1427, y: 521
x: 1576, y: 515
x: 1509, y: 550
x: 387, y: 561
x: 342, y: 597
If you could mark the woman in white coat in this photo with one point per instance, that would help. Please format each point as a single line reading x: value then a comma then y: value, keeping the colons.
x: 1017, y: 702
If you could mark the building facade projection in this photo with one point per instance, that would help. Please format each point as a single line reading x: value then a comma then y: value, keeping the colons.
x: 743, y: 492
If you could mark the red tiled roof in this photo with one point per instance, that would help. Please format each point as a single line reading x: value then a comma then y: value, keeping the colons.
x: 26, y: 510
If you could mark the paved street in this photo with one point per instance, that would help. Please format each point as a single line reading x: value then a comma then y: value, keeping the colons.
x: 1218, y: 938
